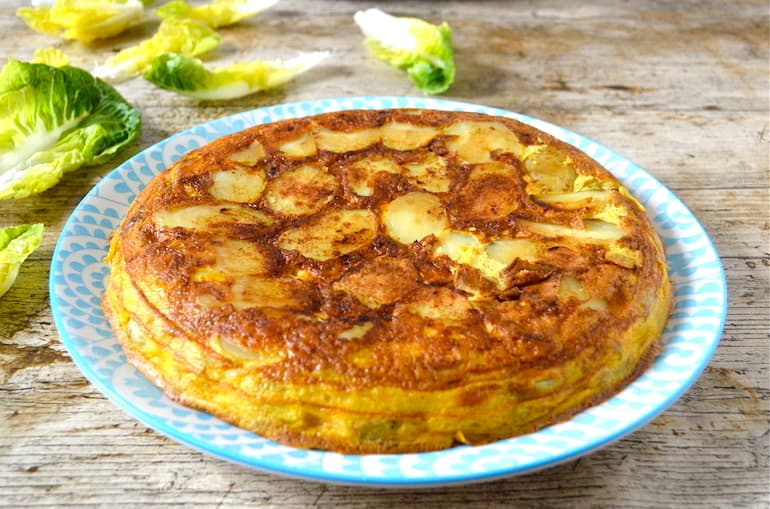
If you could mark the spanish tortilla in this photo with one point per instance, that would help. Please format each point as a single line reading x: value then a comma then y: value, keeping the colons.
x: 388, y: 281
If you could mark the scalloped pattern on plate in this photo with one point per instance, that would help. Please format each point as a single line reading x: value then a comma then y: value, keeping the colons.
x: 77, y: 283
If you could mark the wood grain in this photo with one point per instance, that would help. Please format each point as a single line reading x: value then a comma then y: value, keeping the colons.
x: 681, y: 88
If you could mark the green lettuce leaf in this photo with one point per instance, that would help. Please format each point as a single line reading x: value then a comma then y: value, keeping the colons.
x: 175, y: 35
x: 16, y: 244
x: 83, y: 20
x: 188, y: 76
x: 423, y: 50
x: 54, y: 120
x: 217, y: 13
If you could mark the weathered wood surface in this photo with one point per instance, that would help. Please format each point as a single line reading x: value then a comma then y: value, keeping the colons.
x: 680, y: 87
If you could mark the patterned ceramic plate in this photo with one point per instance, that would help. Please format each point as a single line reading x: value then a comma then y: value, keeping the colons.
x: 77, y: 282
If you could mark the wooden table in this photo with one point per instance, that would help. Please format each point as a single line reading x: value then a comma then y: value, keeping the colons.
x: 681, y: 88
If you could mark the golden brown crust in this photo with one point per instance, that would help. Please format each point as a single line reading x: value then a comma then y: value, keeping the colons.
x: 388, y: 281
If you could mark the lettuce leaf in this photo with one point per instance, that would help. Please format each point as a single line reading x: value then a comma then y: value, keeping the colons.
x: 423, y: 50
x: 83, y: 20
x: 217, y: 13
x: 175, y: 35
x: 54, y: 120
x: 51, y: 56
x: 188, y: 76
x: 16, y: 244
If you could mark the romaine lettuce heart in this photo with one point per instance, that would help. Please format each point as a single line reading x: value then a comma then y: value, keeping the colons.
x: 174, y: 35
x: 217, y: 13
x: 16, y: 244
x: 188, y: 76
x: 83, y: 20
x: 420, y: 48
x: 54, y: 120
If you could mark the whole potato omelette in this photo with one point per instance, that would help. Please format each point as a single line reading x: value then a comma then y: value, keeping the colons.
x: 388, y: 281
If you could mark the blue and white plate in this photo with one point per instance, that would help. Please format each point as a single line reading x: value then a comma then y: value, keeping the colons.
x: 77, y: 282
